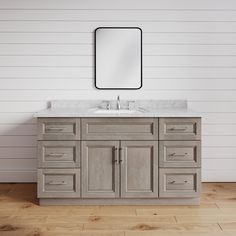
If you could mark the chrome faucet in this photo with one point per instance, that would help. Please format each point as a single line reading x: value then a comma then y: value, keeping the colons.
x: 118, y: 102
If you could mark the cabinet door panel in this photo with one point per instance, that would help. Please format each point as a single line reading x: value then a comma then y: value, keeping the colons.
x: 139, y: 169
x: 100, y: 171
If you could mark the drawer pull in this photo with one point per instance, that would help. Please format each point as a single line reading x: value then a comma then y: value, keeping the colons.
x: 120, y: 154
x: 177, y: 129
x: 178, y: 183
x: 177, y: 155
x: 116, y: 155
x: 54, y: 129
x: 56, y: 183
x: 56, y: 154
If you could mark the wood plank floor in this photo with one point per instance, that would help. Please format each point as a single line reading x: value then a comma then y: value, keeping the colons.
x: 20, y: 215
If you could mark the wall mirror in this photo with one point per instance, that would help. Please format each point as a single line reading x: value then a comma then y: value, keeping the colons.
x: 118, y: 58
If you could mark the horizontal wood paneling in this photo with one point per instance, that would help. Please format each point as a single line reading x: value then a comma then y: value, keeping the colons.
x: 19, y: 164
x: 223, y: 153
x: 192, y: 95
x: 217, y: 106
x: 148, y: 72
x: 219, y: 164
x: 46, y: 53
x: 22, y: 106
x: 122, y: 4
x: 219, y: 129
x: 117, y: 15
x: 87, y: 83
x: 219, y: 175
x: 87, y: 61
x: 190, y: 38
x: 16, y: 129
x: 167, y: 38
x: 18, y: 152
x: 17, y: 118
x: 88, y: 27
x: 18, y: 176
x: 218, y: 141
x: 87, y: 50
x: 18, y: 141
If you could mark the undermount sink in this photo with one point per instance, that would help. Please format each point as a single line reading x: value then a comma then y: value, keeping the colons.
x: 121, y: 111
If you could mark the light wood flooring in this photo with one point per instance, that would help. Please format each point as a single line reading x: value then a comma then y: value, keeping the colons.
x: 20, y: 215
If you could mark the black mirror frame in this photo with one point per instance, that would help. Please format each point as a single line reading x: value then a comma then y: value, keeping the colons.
x: 141, y: 84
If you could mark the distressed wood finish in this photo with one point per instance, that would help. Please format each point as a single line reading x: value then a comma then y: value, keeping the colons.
x: 100, y: 169
x: 179, y: 182
x: 179, y: 128
x: 58, y: 154
x: 119, y: 128
x: 139, y: 169
x: 121, y: 160
x: 58, y: 129
x: 179, y: 153
x: 58, y: 183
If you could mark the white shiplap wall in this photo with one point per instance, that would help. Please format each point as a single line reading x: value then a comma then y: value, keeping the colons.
x: 46, y: 53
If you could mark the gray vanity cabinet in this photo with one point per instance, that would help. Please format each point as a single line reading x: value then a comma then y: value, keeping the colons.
x: 139, y: 169
x: 119, y: 160
x: 100, y: 169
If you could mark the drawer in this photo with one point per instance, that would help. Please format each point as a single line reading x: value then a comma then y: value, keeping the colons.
x: 179, y: 153
x: 58, y: 154
x: 179, y: 128
x: 58, y: 129
x: 179, y: 182
x: 58, y: 183
x: 119, y: 128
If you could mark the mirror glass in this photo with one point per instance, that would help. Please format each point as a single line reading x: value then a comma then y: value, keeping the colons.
x: 118, y: 58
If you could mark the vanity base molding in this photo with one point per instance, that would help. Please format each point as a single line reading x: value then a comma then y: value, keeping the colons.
x: 133, y: 201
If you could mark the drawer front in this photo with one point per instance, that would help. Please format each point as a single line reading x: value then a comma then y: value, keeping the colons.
x: 58, y: 129
x: 58, y: 154
x: 58, y: 183
x: 179, y: 182
x: 179, y: 153
x: 179, y: 128
x: 119, y: 128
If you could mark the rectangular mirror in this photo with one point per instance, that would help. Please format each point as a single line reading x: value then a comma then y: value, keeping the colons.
x: 118, y: 58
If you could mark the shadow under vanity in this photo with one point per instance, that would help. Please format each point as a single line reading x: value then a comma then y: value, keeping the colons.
x: 150, y: 154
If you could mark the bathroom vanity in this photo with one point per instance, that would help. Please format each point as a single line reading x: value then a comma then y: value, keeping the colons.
x: 147, y: 154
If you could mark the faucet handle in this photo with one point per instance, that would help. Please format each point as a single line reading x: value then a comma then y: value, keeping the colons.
x: 107, y: 104
x: 129, y: 104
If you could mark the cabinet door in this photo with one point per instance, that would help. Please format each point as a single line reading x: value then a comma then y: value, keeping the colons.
x: 100, y: 169
x: 139, y: 169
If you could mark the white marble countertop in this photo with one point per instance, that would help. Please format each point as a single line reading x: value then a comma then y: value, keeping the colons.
x: 88, y: 108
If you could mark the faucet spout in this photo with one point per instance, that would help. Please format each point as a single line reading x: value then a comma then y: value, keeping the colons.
x: 118, y: 103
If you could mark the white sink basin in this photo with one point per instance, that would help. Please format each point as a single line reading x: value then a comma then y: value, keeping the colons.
x: 121, y: 111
